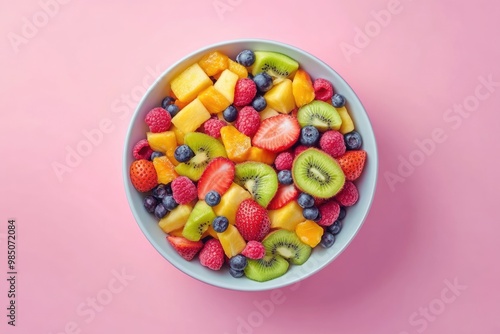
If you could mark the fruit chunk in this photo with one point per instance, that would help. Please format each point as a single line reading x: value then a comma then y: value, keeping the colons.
x: 259, y: 179
x: 318, y: 174
x: 232, y: 242
x: 191, y: 117
x: 277, y: 133
x: 176, y: 219
x: 267, y: 113
x: 179, y: 135
x: 165, y: 170
x: 185, y: 248
x: 287, y: 244
x: 214, y: 62
x: 143, y: 175
x: 164, y: 142
x: 309, y: 233
x: 280, y: 97
x: 274, y: 63
x: 319, y: 114
x: 267, y: 268
x: 286, y: 217
x: 236, y: 143
x: 230, y: 201
x: 260, y: 155
x: 238, y: 69
x: 226, y: 84
x: 252, y: 221
x: 213, y: 100
x: 218, y: 176
x: 303, y: 90
x: 198, y: 222
x: 352, y: 164
x: 347, y: 123
x: 187, y: 85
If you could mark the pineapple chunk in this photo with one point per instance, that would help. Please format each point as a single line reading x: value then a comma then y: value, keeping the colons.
x: 164, y: 142
x: 239, y: 69
x: 287, y: 217
x: 230, y: 202
x: 165, y: 169
x: 187, y: 85
x: 280, y: 97
x: 179, y: 135
x: 347, y: 123
x: 260, y: 155
x: 226, y: 84
x: 191, y: 117
x: 232, y: 242
x: 268, y: 112
x: 176, y: 219
x: 214, y: 62
x: 213, y: 100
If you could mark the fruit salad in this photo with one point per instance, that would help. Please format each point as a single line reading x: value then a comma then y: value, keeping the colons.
x: 249, y: 163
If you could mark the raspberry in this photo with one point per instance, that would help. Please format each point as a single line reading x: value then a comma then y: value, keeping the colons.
x: 349, y: 195
x: 212, y: 254
x: 332, y: 142
x: 248, y: 121
x: 183, y: 190
x: 284, y: 161
x: 329, y: 213
x: 323, y: 89
x: 158, y: 120
x: 142, y: 150
x: 244, y: 92
x: 299, y: 149
x: 212, y: 127
x: 254, y: 250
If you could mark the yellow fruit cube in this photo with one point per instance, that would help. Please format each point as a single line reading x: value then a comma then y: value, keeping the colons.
x: 165, y: 169
x: 280, y: 97
x: 261, y: 155
x: 238, y: 69
x: 286, y: 217
x: 226, y: 84
x: 175, y: 220
x: 191, y: 117
x: 268, y: 112
x: 347, y: 123
x: 236, y: 143
x: 214, y: 62
x: 213, y: 100
x: 179, y: 135
x: 232, y: 242
x: 164, y: 142
x: 230, y: 201
x: 309, y: 232
x: 187, y: 85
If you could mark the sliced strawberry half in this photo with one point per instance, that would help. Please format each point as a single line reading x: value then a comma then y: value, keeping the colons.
x: 277, y: 133
x: 218, y: 176
x: 186, y: 248
x: 284, y: 195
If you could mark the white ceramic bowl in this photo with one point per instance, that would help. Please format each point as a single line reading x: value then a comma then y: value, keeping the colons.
x: 320, y: 257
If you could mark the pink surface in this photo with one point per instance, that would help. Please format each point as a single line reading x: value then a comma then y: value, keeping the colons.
x: 426, y: 259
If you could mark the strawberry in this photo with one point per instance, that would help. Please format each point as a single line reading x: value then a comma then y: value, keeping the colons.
x: 277, y: 133
x: 212, y: 255
x: 352, y: 163
x: 284, y: 195
x: 218, y: 176
x: 186, y: 248
x: 252, y: 220
x: 143, y: 175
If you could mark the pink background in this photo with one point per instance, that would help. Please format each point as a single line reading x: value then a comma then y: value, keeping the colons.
x: 76, y: 232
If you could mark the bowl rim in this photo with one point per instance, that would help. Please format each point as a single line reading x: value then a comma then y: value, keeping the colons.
x: 125, y: 168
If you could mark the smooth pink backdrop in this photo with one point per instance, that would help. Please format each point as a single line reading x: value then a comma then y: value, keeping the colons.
x: 76, y: 232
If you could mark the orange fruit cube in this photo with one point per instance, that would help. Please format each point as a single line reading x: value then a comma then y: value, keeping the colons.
x: 213, y: 100
x: 214, y: 62
x: 309, y: 232
x: 165, y: 169
x: 236, y: 143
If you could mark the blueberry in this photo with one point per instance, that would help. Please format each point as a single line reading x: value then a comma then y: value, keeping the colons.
x: 342, y: 213
x: 160, y: 191
x: 236, y: 273
x: 335, y: 228
x: 259, y: 103
x: 156, y: 154
x: 238, y: 262
x: 353, y: 140
x: 150, y: 203
x: 305, y: 200
x: 212, y: 198
x: 220, y: 224
x: 338, y: 100
x: 172, y: 109
x: 310, y: 213
x: 183, y: 153
x: 167, y: 101
x: 285, y: 177
x: 169, y: 202
x: 168, y: 187
x: 309, y: 135
x: 160, y: 211
x: 263, y: 81
x: 230, y: 113
x: 246, y: 58
x: 327, y: 240
x: 318, y: 218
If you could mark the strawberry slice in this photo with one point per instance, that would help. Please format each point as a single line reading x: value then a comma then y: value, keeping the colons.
x: 352, y: 163
x: 218, y: 176
x: 277, y: 133
x: 186, y: 248
x: 284, y: 195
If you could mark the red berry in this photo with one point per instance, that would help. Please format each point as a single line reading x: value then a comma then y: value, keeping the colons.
x: 284, y: 161
x: 212, y: 255
x: 158, y: 120
x: 142, y: 150
x: 329, y: 213
x: 186, y: 248
x: 247, y: 121
x: 349, y: 195
x: 299, y: 149
x: 183, y: 190
x: 218, y: 176
x: 252, y: 220
x: 323, y: 89
x: 277, y: 133
x: 254, y: 250
x: 212, y: 127
x: 332, y: 142
x: 284, y: 195
x: 244, y: 92
x: 352, y: 164
x: 143, y: 175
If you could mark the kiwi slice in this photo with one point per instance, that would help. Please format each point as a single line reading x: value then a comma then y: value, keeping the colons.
x: 288, y: 245
x: 317, y: 173
x: 267, y: 268
x: 320, y: 114
x: 198, y: 222
x: 205, y: 148
x: 275, y: 64
x: 259, y: 179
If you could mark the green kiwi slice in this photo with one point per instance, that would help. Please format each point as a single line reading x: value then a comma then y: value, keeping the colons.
x: 275, y: 64
x: 267, y: 268
x: 259, y: 179
x: 317, y: 173
x: 320, y: 114
x: 205, y: 148
x: 198, y: 222
x: 286, y: 244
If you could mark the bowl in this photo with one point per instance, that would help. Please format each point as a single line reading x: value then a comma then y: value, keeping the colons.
x: 320, y: 257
